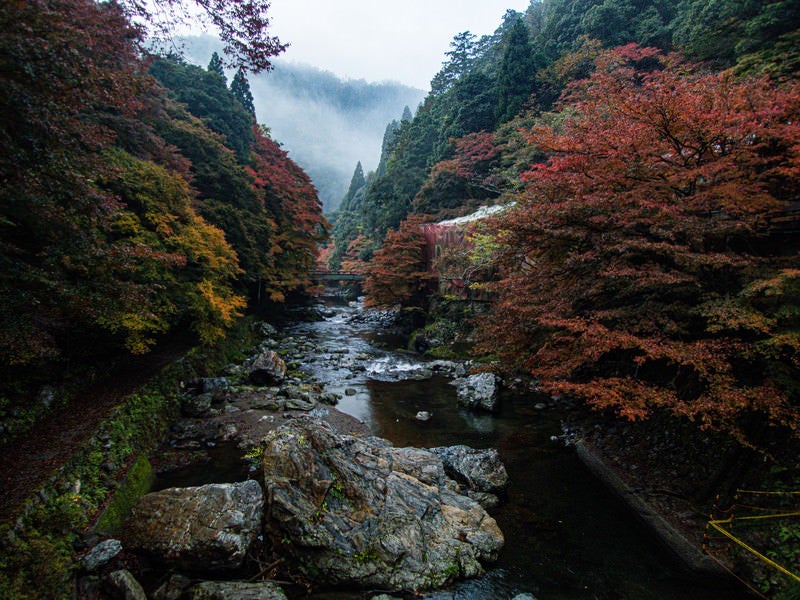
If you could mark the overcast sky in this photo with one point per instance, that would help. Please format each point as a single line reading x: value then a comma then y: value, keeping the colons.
x: 379, y: 40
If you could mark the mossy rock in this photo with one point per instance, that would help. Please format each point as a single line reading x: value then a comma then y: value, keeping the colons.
x: 135, y: 485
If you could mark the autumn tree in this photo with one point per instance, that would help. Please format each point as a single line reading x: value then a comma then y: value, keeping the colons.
x: 242, y: 25
x: 289, y: 198
x: 64, y: 72
x: 398, y: 273
x: 639, y: 270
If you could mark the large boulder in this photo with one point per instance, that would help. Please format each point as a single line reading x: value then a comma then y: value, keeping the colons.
x: 479, y: 391
x: 360, y: 512
x: 481, y: 472
x: 235, y: 590
x: 206, y: 528
x: 266, y: 368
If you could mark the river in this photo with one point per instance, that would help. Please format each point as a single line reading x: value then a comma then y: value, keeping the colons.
x: 567, y: 537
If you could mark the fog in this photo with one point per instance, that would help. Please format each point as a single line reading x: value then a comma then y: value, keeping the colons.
x: 328, y: 124
x: 325, y: 123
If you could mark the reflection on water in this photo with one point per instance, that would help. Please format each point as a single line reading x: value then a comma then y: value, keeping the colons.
x: 566, y: 537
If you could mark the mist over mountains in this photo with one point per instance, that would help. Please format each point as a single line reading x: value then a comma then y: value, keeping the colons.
x: 327, y: 124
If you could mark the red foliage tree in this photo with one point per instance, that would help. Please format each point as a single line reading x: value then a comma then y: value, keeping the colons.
x: 289, y: 196
x: 637, y: 272
x: 398, y: 273
x: 243, y: 25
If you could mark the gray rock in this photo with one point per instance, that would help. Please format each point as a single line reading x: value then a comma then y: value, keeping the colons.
x: 126, y: 586
x: 236, y: 590
x: 359, y: 512
x: 196, y: 406
x: 208, y: 528
x: 209, y: 385
x: 264, y: 329
x: 479, y: 391
x: 524, y: 597
x: 173, y: 588
x: 478, y: 470
x: 423, y: 415
x: 102, y: 554
x: 267, y: 368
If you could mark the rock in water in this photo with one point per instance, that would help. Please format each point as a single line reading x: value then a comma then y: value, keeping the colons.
x: 360, y: 512
x: 478, y: 470
x: 235, y: 590
x: 206, y: 528
x: 479, y: 391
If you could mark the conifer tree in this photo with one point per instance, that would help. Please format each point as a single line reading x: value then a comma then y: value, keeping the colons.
x: 240, y: 88
x: 215, y: 65
x: 516, y: 73
x: 356, y: 183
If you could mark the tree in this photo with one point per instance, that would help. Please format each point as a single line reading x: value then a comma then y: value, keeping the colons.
x: 215, y: 65
x: 295, y: 212
x: 398, y: 273
x: 357, y: 182
x: 243, y: 26
x: 637, y: 270
x: 463, y: 50
x: 208, y: 98
x: 240, y: 88
x: 516, y: 73
x: 66, y: 74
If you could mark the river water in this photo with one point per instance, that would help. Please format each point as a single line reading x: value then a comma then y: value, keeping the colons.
x: 567, y: 537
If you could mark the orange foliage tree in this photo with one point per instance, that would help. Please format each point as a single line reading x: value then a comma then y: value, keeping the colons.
x: 398, y: 273
x: 640, y: 272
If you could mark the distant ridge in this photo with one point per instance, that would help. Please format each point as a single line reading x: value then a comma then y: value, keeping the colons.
x: 325, y: 122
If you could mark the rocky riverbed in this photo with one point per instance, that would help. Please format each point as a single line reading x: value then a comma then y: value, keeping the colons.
x: 379, y: 472
x: 321, y: 502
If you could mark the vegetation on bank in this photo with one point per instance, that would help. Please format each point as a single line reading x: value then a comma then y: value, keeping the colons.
x: 140, y: 198
x: 38, y: 549
x: 648, y: 154
x: 649, y: 261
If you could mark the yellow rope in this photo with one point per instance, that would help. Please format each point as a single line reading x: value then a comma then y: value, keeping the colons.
x: 770, y: 562
x: 759, y: 517
x: 765, y: 493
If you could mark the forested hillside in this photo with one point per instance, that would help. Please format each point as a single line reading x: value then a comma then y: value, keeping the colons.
x: 327, y: 124
x: 139, y: 198
x: 648, y: 153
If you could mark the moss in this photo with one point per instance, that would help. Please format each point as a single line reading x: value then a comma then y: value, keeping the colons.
x: 37, y: 552
x: 134, y: 486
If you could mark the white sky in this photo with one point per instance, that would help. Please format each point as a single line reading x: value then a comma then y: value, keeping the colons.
x: 378, y: 40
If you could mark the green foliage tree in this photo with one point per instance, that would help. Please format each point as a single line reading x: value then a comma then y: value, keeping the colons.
x: 515, y: 80
x: 240, y: 88
x: 207, y: 97
x: 215, y: 65
x: 356, y: 183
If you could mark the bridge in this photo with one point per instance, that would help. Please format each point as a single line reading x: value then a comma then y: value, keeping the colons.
x: 335, y: 276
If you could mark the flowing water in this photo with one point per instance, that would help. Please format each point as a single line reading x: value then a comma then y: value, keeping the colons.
x: 567, y: 537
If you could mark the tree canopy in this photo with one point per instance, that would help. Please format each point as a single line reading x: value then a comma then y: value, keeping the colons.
x: 131, y: 206
x: 639, y: 270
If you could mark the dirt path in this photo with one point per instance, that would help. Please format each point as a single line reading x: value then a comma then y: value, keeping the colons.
x: 28, y: 463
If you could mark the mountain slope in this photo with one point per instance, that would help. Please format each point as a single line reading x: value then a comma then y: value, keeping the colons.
x: 327, y: 124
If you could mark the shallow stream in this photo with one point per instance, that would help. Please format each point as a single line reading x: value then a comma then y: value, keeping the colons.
x: 567, y: 537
